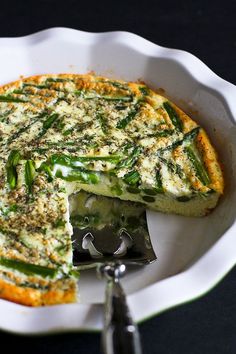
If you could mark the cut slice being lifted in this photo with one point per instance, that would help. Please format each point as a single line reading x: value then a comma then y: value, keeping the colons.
x: 63, y: 133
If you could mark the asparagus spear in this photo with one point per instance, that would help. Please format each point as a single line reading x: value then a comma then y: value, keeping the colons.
x: 10, y: 98
x: 28, y: 268
x: 197, y: 164
x: 79, y: 175
x: 103, y: 122
x: 46, y: 168
x: 48, y: 123
x: 173, y: 167
x: 29, y: 174
x: 130, y: 161
x: 116, y: 84
x: 188, y: 137
x: 56, y: 79
x: 159, y: 181
x: 150, y: 191
x: 130, y: 116
x: 144, y: 90
x: 132, y: 178
x: 133, y: 190
x: 11, y: 164
x: 91, y: 95
x: 39, y: 86
x: 116, y: 189
x: 158, y: 187
x: 148, y: 199
x: 173, y: 116
x: 5, y: 115
x: 72, y: 161
x: 25, y: 128
x: 161, y: 134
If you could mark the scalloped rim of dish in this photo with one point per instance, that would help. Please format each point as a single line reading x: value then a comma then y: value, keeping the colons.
x: 189, y: 284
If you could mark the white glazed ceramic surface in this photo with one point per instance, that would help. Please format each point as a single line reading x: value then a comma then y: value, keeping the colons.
x: 193, y: 253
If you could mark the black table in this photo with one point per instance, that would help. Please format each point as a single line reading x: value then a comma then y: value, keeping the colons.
x: 207, y: 29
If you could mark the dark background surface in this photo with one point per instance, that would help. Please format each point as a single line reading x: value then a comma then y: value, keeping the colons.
x: 206, y: 29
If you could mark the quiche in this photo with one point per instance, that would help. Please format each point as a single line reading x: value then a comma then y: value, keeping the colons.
x: 60, y: 134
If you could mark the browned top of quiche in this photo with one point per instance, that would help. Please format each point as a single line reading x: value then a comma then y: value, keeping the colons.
x: 63, y: 133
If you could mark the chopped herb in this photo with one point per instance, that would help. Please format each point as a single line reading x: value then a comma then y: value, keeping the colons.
x: 174, y: 168
x: 116, y: 189
x: 43, y: 231
x: 59, y: 223
x: 74, y: 273
x: 61, y: 124
x: 183, y: 198
x: 40, y: 151
x: 61, y: 250
x: 120, y: 107
x: 148, y: 199
x: 133, y: 190
x: 144, y: 90
x: 12, y: 208
x: 62, y: 190
x: 127, y: 146
x: 68, y: 131
x: 5, y: 115
x: 78, y: 127
x: 152, y: 191
x: 25, y: 128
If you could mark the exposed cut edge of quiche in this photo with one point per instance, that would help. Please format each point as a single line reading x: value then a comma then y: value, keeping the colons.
x: 63, y: 133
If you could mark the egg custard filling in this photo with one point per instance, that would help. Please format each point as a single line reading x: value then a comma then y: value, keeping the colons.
x: 60, y: 134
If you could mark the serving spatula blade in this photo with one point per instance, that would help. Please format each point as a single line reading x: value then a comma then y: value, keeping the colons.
x: 111, y: 249
x: 91, y: 245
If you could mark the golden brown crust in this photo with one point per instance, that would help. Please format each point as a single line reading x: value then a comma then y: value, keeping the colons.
x: 211, y: 163
x: 60, y: 292
x: 208, y: 153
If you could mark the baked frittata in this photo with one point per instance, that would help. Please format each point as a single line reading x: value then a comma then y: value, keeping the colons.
x: 63, y: 133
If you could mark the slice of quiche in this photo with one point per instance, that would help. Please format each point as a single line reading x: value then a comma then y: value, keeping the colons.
x: 63, y: 133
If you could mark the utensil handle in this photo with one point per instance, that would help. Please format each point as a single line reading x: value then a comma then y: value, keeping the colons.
x: 120, y: 334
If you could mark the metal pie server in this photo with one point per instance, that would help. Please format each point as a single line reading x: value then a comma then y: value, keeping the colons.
x: 111, y: 250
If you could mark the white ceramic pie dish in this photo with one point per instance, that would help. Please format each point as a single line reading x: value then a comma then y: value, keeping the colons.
x: 193, y: 253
